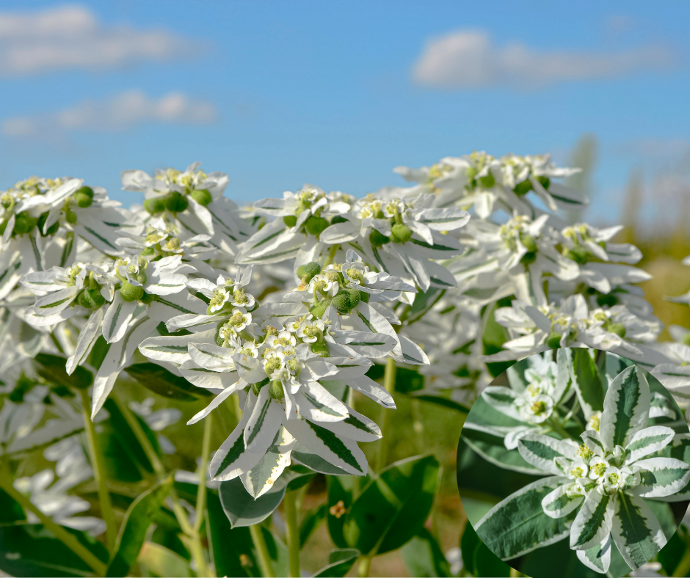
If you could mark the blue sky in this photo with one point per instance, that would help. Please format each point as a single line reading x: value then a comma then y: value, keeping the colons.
x: 337, y: 94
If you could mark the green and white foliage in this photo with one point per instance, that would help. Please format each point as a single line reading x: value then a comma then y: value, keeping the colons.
x: 602, y: 466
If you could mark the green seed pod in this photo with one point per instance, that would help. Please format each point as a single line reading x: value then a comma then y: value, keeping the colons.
x: 154, y: 205
x: 529, y: 242
x: 378, y: 239
x: 522, y: 188
x: 275, y: 390
x: 308, y: 271
x: 544, y: 182
x: 401, y: 233
x: 346, y: 300
x: 338, y: 219
x: 51, y: 230
x: 290, y: 220
x: 202, y: 196
x: 70, y: 216
x: 320, y: 348
x: 24, y: 223
x: 148, y: 298
x: 528, y: 258
x: 320, y: 308
x: 91, y: 298
x: 488, y: 182
x: 86, y: 191
x: 142, y: 278
x: 607, y: 300
x: 554, y: 340
x: 316, y: 225
x: 617, y: 328
x: 131, y: 292
x: 176, y: 202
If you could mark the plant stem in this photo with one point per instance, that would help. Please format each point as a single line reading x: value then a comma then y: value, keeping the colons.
x: 683, y: 568
x: 363, y: 566
x: 99, y: 471
x: 69, y: 540
x: 292, y: 532
x: 261, y: 550
x: 201, y: 493
x: 389, y: 384
x: 331, y: 255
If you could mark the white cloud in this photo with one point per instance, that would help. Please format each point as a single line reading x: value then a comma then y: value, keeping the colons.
x: 113, y: 115
x: 72, y: 37
x: 470, y: 59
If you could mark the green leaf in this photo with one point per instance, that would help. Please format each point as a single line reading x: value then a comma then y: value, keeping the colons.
x: 339, y: 562
x: 165, y: 383
x: 518, y: 524
x: 310, y: 522
x: 541, y: 451
x: 393, y: 507
x: 340, y: 498
x: 671, y: 554
x: 242, y: 509
x: 636, y: 530
x: 423, y: 302
x: 163, y: 562
x: 441, y: 401
x: 493, y: 450
x: 134, y: 528
x: 626, y: 408
x: 424, y: 557
x: 52, y: 368
x: 477, y: 558
x: 587, y: 382
x: 10, y: 510
x: 31, y: 550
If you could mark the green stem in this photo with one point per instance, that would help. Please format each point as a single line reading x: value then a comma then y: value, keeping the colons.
x: 99, y: 471
x: 69, y: 540
x: 331, y: 255
x: 389, y: 384
x: 201, y: 493
x: 292, y: 532
x: 261, y: 550
x: 557, y: 427
x: 363, y: 566
x: 683, y: 568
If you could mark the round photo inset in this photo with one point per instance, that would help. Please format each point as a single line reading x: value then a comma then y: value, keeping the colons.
x: 573, y: 463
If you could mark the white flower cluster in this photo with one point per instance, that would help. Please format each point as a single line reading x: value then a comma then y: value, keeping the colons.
x: 288, y: 304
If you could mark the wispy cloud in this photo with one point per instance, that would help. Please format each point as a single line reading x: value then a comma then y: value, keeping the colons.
x: 469, y: 59
x: 72, y: 37
x: 115, y: 114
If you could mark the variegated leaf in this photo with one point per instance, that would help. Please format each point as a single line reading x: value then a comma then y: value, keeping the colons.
x: 626, y: 408
x: 502, y: 399
x: 232, y: 459
x: 262, y: 476
x: 636, y: 531
x: 593, y: 522
x: 598, y: 557
x: 518, y: 524
x: 660, y: 477
x: 558, y: 503
x: 542, y: 451
x: 647, y: 441
x: 265, y: 421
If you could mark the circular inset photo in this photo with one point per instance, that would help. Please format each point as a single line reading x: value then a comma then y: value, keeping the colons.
x: 574, y: 462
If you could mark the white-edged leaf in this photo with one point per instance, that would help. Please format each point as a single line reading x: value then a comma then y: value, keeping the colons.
x: 598, y: 557
x: 232, y: 459
x: 647, y: 441
x: 87, y: 338
x: 593, y: 442
x: 373, y: 390
x: 263, y: 475
x: 661, y: 477
x: 558, y: 503
x: 636, y: 530
x: 117, y: 317
x: 220, y: 398
x: 316, y: 403
x: 264, y: 423
x: 626, y: 408
x: 541, y: 451
x: 593, y: 522
x: 211, y: 356
x: 502, y: 399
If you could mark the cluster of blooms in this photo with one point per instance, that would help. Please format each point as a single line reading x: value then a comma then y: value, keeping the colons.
x: 288, y: 303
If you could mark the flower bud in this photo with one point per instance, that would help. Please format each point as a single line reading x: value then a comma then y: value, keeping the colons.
x: 378, y: 239
x: 70, y: 216
x: 176, y: 202
x: 154, y: 205
x: 130, y: 292
x: 523, y: 188
x: 578, y: 254
x: 202, y: 196
x: 401, y: 233
x: 528, y: 258
x: 308, y: 271
x: 316, y: 225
